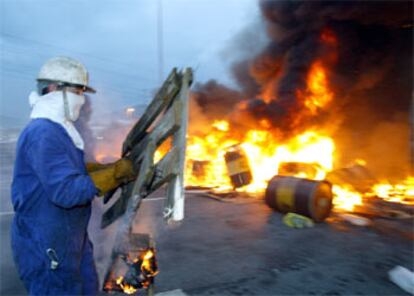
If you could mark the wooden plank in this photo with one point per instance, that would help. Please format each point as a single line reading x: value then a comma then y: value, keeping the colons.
x: 174, y: 204
x: 162, y: 99
x: 165, y: 169
x: 118, y: 208
x: 141, y: 145
x: 170, y: 168
x: 166, y: 127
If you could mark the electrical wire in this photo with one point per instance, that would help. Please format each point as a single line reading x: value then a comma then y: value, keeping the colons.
x: 97, y: 65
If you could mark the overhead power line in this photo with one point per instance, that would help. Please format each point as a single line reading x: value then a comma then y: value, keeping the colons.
x: 101, y: 59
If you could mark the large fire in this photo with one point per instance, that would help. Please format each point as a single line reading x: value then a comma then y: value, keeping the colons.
x: 307, y: 154
x: 265, y: 153
x: 402, y: 192
x: 264, y: 156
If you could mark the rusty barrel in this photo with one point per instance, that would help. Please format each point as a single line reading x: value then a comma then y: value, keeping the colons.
x: 302, y: 196
x: 238, y: 167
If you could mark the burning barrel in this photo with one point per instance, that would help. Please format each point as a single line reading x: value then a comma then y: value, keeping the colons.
x: 303, y: 196
x: 238, y: 166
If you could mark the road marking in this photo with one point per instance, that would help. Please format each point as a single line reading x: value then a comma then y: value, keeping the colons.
x: 177, y: 292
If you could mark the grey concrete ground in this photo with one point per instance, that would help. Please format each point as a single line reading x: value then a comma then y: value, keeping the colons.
x: 240, y: 249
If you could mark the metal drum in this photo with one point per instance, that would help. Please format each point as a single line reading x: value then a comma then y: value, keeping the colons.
x: 238, y: 166
x: 302, y: 196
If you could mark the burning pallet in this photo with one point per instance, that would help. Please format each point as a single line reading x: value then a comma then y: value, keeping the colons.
x: 133, y: 267
x: 133, y: 263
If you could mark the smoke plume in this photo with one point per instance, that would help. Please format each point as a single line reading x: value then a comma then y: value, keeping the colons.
x: 366, y: 48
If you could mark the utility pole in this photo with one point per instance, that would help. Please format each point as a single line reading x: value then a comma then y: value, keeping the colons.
x: 160, y: 42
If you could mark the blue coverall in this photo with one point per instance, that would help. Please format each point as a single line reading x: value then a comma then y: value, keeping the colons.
x: 51, y: 195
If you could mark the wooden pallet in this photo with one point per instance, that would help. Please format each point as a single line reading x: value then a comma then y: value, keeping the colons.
x: 165, y: 117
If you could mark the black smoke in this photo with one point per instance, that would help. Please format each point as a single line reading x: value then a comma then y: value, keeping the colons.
x: 370, y: 73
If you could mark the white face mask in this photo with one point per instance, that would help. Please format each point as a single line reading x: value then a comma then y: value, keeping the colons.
x: 73, y: 105
x: 59, y: 108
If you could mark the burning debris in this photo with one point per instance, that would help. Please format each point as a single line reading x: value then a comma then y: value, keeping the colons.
x: 299, y: 169
x: 323, y: 93
x: 141, y: 272
x: 133, y: 265
x: 315, y: 104
x: 133, y: 268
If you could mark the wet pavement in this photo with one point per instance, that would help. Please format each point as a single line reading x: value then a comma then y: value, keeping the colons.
x: 239, y: 248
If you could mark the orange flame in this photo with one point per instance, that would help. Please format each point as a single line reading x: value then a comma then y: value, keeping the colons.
x: 147, y: 269
x: 128, y: 289
x: 318, y: 94
x: 346, y: 198
x: 266, y: 153
x: 401, y: 193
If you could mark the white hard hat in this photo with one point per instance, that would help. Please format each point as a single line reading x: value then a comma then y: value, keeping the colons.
x: 65, y: 70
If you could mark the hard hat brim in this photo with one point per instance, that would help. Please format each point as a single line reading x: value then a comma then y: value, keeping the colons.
x: 89, y: 89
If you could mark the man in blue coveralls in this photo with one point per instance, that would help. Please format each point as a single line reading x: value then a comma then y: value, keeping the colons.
x: 53, y: 188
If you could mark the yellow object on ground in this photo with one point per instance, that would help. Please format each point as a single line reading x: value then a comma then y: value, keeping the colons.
x: 297, y: 221
x: 110, y: 176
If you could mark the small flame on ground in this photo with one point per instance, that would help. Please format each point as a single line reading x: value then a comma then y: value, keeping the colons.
x: 401, y: 193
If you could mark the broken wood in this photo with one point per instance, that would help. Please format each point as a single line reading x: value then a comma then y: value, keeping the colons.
x: 165, y: 117
x: 357, y: 176
x: 377, y: 207
x: 170, y: 107
x: 164, y: 96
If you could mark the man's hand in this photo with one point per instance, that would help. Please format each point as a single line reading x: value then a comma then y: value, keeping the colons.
x: 111, y: 176
x: 124, y: 170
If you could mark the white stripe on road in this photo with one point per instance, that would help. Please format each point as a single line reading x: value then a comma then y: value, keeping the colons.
x: 177, y: 292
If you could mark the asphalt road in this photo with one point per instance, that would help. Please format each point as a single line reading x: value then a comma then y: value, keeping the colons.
x: 240, y: 249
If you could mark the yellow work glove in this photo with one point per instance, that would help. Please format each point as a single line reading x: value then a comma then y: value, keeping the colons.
x: 94, y: 166
x: 112, y: 175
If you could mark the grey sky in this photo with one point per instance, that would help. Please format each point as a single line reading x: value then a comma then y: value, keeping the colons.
x: 117, y: 41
